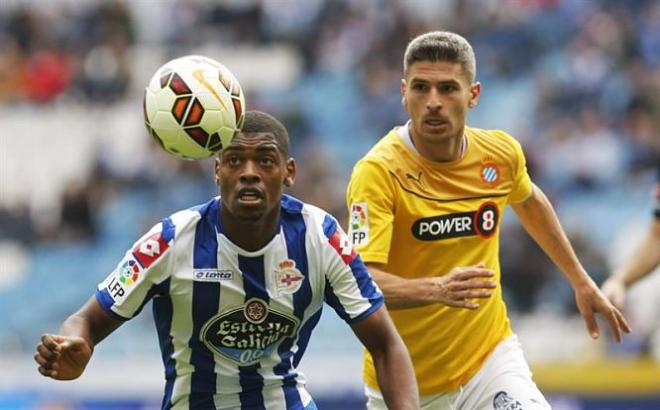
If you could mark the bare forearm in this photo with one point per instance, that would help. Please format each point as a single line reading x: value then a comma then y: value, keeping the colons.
x: 645, y: 258
x: 396, y: 377
x: 394, y: 369
x: 460, y: 287
x: 402, y: 293
x: 91, y: 323
x: 539, y: 219
x: 77, y: 325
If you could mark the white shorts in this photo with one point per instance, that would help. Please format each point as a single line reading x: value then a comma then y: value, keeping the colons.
x: 504, y: 382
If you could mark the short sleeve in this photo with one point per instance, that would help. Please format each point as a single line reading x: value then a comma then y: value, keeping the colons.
x: 136, y: 278
x: 370, y: 200
x: 349, y: 288
x: 522, y: 183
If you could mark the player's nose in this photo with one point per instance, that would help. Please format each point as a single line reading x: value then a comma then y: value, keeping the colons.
x: 433, y: 103
x: 250, y: 172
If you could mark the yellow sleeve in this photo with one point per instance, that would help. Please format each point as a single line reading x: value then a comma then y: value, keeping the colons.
x: 370, y: 199
x: 522, y: 183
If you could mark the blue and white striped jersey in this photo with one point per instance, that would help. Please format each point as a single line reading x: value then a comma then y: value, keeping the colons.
x: 233, y: 325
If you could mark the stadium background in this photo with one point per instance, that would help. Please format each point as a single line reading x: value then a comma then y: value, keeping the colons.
x: 577, y: 82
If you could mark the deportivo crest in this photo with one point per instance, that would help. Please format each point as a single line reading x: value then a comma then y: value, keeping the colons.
x: 288, y: 278
x: 503, y: 401
x: 359, y: 224
x: 248, y: 333
x: 489, y: 173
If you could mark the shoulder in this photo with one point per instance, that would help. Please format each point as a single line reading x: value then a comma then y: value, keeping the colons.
x: 496, y: 141
x: 316, y: 222
x: 493, y: 136
x: 184, y: 221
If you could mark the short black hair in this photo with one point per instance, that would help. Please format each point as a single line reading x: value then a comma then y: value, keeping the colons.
x: 441, y: 46
x: 259, y: 121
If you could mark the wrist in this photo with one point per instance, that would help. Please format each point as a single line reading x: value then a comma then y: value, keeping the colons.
x: 620, y: 278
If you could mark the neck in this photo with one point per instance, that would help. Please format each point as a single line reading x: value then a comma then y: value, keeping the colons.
x: 446, y: 150
x: 250, y: 234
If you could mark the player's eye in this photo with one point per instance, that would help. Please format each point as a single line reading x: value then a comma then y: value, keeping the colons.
x: 266, y: 161
x: 233, y: 160
x: 448, y: 88
x: 419, y: 87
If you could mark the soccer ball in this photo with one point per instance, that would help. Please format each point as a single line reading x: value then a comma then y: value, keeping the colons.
x: 193, y: 106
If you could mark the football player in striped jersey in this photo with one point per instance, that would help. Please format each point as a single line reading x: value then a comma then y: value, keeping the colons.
x: 237, y: 285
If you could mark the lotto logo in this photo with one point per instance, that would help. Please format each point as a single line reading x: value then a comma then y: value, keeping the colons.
x: 149, y: 250
x: 150, y: 247
x: 343, y: 246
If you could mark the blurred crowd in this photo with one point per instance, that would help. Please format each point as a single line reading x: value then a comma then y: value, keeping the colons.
x: 578, y: 82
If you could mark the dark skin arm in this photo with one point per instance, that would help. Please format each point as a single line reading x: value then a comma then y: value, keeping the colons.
x: 394, y: 369
x: 64, y: 356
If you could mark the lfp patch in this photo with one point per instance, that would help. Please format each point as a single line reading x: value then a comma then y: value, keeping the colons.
x: 489, y: 173
x: 359, y: 224
x: 129, y: 272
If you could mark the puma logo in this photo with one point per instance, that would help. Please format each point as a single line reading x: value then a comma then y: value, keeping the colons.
x: 417, y: 179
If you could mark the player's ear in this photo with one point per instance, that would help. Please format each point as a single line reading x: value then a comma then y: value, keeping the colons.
x: 475, y: 93
x: 216, y: 174
x: 403, y: 92
x: 290, y: 176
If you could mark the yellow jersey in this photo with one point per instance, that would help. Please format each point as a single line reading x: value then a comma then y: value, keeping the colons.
x: 422, y: 218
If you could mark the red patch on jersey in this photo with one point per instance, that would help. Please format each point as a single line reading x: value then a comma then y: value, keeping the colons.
x: 149, y: 250
x: 343, y: 246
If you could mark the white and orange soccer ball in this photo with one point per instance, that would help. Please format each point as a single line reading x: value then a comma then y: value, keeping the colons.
x: 193, y: 107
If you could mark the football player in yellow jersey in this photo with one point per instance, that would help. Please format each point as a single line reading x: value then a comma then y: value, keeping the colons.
x: 425, y: 209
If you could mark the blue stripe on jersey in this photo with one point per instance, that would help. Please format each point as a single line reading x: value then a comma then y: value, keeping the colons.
x: 295, y: 231
x: 168, y: 229
x: 254, y: 277
x: 329, y: 226
x: 162, y: 309
x: 205, y: 302
x: 304, y: 334
x: 254, y: 284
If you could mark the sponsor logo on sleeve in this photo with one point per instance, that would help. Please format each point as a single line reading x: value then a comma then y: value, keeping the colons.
x: 124, y: 277
x: 359, y: 224
x: 344, y: 247
x: 482, y: 222
x: 288, y: 278
x: 129, y: 272
x: 115, y: 289
x: 150, y: 249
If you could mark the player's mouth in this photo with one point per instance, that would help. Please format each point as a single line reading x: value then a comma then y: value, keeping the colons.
x: 250, y: 196
x: 436, y: 122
